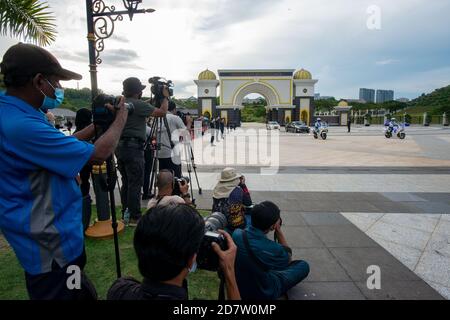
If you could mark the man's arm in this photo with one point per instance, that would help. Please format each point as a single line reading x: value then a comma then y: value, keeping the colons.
x: 107, y: 143
x: 162, y: 110
x: 86, y: 134
x: 227, y: 259
x: 280, y: 235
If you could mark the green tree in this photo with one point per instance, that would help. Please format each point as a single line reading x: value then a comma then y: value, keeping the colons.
x: 325, y: 105
x: 27, y: 19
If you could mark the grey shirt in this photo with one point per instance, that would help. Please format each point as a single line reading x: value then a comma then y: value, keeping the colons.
x: 176, y: 125
x: 136, y: 123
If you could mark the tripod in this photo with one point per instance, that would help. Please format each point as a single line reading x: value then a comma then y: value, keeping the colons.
x: 191, y: 166
x: 189, y: 161
x: 111, y: 181
x: 109, y: 185
x: 155, y: 127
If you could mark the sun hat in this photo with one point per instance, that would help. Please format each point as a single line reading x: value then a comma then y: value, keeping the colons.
x: 229, y: 180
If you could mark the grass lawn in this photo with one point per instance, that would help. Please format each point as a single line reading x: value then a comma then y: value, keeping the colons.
x: 100, y: 268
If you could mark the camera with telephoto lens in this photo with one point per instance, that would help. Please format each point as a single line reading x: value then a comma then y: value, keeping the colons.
x: 102, y: 116
x: 207, y: 259
x: 157, y: 89
x: 176, y: 185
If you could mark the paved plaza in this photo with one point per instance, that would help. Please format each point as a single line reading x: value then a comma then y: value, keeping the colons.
x: 350, y: 202
x: 353, y: 201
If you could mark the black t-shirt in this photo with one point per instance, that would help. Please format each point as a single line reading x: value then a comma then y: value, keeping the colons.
x: 129, y: 288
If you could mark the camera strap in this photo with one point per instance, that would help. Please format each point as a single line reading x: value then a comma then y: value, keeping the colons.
x: 252, y: 254
x: 169, y: 133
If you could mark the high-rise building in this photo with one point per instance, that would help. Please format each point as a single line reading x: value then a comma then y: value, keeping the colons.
x: 385, y: 95
x: 367, y: 95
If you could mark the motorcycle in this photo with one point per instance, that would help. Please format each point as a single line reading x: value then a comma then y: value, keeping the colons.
x: 322, y: 131
x: 398, y: 130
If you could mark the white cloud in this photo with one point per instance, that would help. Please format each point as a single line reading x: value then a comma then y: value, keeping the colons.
x: 329, y: 38
x: 386, y: 62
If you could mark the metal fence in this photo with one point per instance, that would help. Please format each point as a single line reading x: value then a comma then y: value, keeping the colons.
x: 415, y: 120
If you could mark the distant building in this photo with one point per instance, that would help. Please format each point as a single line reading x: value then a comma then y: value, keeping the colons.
x: 319, y: 97
x: 356, y: 101
x: 403, y: 100
x: 252, y: 101
x: 192, y: 112
x: 191, y: 99
x: 385, y: 96
x: 368, y: 95
x: 64, y: 113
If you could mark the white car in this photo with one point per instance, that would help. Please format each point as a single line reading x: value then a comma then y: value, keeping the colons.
x: 273, y: 125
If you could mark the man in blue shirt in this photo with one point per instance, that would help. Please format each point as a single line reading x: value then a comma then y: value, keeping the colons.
x: 40, y: 201
x: 264, y: 270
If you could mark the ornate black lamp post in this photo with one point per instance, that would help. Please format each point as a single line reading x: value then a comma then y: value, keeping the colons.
x: 100, y: 23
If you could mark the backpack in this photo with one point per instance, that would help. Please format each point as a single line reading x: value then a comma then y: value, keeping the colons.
x: 232, y: 209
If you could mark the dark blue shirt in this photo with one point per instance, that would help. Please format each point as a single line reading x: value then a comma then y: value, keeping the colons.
x: 40, y: 201
x: 252, y: 280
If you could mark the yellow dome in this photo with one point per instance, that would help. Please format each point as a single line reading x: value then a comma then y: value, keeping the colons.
x: 207, y: 75
x: 343, y: 103
x: 303, y: 75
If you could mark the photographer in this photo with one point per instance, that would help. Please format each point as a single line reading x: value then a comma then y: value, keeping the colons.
x: 41, y: 204
x: 264, y: 267
x: 228, y: 198
x: 169, y: 158
x: 130, y: 151
x: 166, y: 241
x: 166, y: 185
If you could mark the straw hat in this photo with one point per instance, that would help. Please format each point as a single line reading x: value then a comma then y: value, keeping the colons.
x: 229, y: 180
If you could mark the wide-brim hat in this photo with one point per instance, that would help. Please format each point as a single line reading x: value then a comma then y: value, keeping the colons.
x: 229, y: 180
x: 229, y: 174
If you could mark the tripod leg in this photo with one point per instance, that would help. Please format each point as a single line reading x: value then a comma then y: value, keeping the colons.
x: 189, y: 169
x: 154, y: 167
x: 112, y: 179
x: 195, y: 169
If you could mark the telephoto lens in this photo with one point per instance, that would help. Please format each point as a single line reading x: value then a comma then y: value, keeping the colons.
x: 207, y: 259
x: 216, y: 221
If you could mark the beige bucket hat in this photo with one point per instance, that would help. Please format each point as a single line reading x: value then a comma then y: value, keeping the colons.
x: 229, y: 180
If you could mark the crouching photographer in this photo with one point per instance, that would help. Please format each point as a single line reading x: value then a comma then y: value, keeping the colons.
x: 167, y: 242
x: 265, y: 270
x: 171, y: 190
x: 41, y: 203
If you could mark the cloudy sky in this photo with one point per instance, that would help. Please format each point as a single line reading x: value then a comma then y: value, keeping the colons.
x: 342, y: 42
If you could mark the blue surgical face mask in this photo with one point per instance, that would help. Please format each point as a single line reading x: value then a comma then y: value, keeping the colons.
x: 50, y: 103
x: 193, y: 268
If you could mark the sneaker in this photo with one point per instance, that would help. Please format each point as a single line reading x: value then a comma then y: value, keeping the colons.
x: 133, y: 223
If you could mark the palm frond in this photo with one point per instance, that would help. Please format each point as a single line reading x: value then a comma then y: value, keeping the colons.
x: 29, y: 19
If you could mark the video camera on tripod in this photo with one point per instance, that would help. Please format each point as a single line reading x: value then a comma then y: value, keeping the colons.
x: 104, y: 117
x: 157, y: 89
